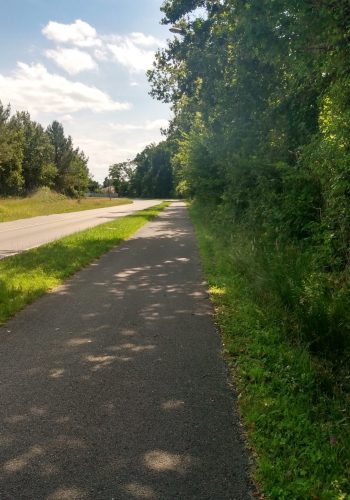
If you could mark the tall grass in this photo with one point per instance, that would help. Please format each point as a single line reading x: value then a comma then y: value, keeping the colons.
x: 272, y: 310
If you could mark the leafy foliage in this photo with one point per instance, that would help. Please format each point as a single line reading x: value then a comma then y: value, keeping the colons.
x: 148, y: 175
x: 11, y: 154
x: 260, y: 93
x: 31, y: 157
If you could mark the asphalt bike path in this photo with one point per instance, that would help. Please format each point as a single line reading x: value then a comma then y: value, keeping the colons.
x: 113, y: 386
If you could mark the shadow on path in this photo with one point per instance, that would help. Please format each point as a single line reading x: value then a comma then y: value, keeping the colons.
x: 112, y: 387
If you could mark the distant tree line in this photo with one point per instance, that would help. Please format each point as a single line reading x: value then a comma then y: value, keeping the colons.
x: 148, y: 175
x: 32, y: 157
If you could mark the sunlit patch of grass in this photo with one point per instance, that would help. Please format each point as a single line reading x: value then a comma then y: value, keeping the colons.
x: 46, y: 202
x: 294, y: 407
x: 28, y: 275
x: 215, y: 290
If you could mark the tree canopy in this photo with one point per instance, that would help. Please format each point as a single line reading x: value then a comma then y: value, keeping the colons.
x: 260, y: 91
x: 148, y: 175
x: 31, y: 157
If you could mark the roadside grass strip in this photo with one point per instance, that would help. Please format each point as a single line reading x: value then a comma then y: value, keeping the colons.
x: 26, y: 276
x: 294, y: 409
x: 46, y: 202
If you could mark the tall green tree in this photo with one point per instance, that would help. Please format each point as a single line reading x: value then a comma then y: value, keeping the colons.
x: 37, y: 163
x: 72, y: 164
x: 121, y: 175
x: 11, y: 154
x: 63, y: 153
x: 153, y: 176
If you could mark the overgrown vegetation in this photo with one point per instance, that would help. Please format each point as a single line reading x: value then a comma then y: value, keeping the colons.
x: 26, y: 276
x: 261, y: 94
x: 46, y: 202
x: 261, y: 137
x: 294, y: 405
x: 31, y: 157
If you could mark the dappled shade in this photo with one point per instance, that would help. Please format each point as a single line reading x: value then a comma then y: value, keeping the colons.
x: 113, y: 386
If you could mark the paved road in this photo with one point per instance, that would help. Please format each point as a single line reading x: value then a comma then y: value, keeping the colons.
x: 113, y: 387
x: 19, y: 235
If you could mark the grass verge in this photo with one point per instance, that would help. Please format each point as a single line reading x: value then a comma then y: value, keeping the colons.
x: 294, y: 410
x: 46, y: 202
x: 28, y: 275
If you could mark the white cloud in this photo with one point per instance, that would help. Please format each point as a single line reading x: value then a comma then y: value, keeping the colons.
x: 136, y: 59
x: 78, y: 33
x: 34, y: 89
x: 148, y: 125
x: 145, y: 40
x: 134, y: 51
x: 73, y: 61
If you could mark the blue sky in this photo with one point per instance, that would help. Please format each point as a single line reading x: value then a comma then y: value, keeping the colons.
x: 83, y: 62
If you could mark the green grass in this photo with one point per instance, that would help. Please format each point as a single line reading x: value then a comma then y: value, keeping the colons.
x: 26, y: 276
x: 294, y: 406
x: 46, y: 202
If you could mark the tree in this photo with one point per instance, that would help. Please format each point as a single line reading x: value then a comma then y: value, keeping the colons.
x: 93, y: 186
x: 75, y: 179
x: 37, y: 163
x: 148, y: 175
x: 153, y: 176
x: 63, y: 154
x: 31, y: 157
x: 11, y: 154
x: 71, y: 164
x: 121, y: 175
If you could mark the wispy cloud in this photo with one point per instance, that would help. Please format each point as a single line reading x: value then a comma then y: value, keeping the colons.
x: 33, y: 88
